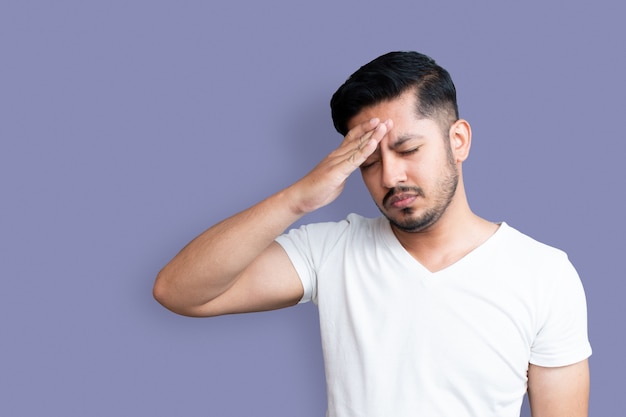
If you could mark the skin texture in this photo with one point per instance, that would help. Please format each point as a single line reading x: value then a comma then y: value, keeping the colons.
x: 412, y: 168
x: 559, y: 392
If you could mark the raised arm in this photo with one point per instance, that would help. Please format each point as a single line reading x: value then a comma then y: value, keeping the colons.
x: 235, y: 266
x: 559, y: 392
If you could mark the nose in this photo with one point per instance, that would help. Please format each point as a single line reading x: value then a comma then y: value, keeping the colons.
x: 393, y: 171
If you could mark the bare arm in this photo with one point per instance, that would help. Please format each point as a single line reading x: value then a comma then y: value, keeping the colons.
x: 235, y: 266
x: 559, y: 392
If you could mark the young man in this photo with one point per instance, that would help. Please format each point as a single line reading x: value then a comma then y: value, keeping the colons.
x: 428, y: 310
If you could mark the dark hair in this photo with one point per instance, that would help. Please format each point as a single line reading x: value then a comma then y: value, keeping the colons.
x: 389, y: 76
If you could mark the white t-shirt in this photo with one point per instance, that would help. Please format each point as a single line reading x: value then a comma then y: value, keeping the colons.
x: 399, y: 340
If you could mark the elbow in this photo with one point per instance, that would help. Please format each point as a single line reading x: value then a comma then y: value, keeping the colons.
x: 162, y: 291
x: 159, y: 290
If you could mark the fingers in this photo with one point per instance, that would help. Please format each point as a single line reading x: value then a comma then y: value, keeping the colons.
x: 363, y: 140
x: 370, y: 129
x: 326, y: 181
x: 357, y: 132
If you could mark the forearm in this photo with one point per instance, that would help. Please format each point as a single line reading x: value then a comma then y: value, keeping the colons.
x: 211, y: 263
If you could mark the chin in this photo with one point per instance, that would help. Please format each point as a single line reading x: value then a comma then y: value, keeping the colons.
x: 412, y: 223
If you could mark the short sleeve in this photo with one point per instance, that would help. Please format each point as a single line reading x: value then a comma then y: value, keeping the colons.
x: 296, y: 245
x: 309, y: 248
x: 562, y: 335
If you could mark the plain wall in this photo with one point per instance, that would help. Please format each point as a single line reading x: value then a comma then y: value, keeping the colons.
x: 128, y: 127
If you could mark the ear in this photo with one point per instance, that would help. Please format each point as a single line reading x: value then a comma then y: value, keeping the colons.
x: 460, y: 139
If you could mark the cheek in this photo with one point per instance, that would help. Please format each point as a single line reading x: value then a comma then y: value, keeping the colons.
x: 418, y: 173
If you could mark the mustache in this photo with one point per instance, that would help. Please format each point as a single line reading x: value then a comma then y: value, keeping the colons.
x: 402, y: 190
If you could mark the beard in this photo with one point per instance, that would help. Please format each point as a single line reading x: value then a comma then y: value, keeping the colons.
x: 409, y: 220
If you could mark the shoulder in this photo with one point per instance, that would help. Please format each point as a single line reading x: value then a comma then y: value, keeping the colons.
x: 529, y: 262
x: 352, y: 225
x: 319, y: 241
x: 518, y: 245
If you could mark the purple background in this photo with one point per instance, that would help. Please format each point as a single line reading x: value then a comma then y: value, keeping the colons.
x: 127, y: 127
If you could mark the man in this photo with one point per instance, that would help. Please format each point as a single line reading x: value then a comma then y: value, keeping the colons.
x: 429, y: 310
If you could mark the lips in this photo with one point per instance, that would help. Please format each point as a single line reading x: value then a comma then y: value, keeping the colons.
x: 401, y: 200
x: 402, y: 196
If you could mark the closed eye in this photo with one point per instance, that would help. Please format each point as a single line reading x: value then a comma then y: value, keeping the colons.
x: 409, y: 151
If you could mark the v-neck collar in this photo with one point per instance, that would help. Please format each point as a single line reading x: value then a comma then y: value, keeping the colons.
x: 396, y: 247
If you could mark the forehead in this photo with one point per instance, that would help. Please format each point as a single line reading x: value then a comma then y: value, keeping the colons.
x: 407, y: 123
x: 400, y: 109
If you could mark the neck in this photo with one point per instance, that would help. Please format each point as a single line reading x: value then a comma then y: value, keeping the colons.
x: 454, y: 235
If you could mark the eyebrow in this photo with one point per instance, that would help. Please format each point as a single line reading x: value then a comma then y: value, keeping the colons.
x: 399, y: 141
x: 404, y: 138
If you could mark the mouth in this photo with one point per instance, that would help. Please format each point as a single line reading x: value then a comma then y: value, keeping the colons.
x: 401, y: 199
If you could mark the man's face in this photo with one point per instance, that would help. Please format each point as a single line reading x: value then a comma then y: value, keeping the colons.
x: 412, y: 176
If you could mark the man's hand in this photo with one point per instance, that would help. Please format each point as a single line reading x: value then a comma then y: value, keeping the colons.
x: 235, y: 266
x: 326, y: 181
